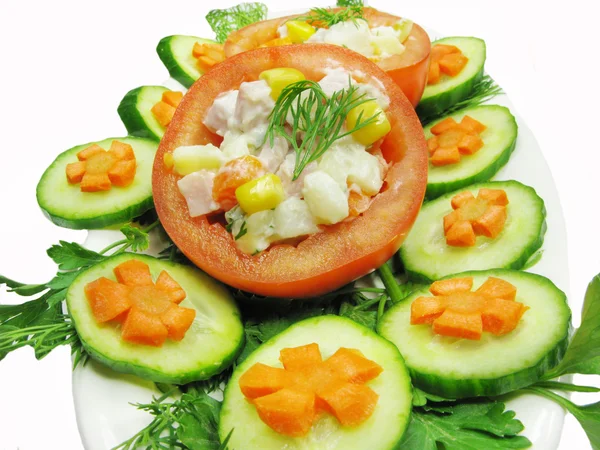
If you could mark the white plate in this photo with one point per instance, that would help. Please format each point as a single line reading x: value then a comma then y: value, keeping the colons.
x: 102, y: 397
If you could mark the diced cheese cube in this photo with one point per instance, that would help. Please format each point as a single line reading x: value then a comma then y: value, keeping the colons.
x: 259, y: 230
x: 197, y: 188
x: 192, y: 158
x: 234, y: 145
x: 326, y: 200
x: 293, y: 218
x: 221, y: 112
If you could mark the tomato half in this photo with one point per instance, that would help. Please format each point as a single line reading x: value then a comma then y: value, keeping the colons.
x: 323, y: 261
x: 408, y: 70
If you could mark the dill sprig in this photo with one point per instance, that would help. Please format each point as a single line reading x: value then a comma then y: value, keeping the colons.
x: 327, y: 17
x: 485, y: 89
x: 317, y: 120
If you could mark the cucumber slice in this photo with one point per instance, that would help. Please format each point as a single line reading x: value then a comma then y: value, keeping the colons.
x: 135, y: 112
x: 66, y: 206
x: 459, y: 368
x: 427, y: 257
x: 499, y: 139
x: 437, y: 98
x: 176, y: 54
x: 382, y: 431
x: 209, y: 346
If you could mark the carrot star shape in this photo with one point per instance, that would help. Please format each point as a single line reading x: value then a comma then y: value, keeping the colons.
x: 451, y: 139
x: 149, y: 312
x: 99, y: 170
x: 457, y: 312
x: 472, y: 217
x: 288, y: 399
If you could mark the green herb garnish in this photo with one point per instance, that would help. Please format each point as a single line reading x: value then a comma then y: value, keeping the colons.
x: 242, y: 232
x: 317, y: 120
x: 473, y: 425
x: 327, y: 17
x: 224, y: 21
x: 346, y: 3
x: 485, y: 89
x: 192, y: 421
x: 40, y: 323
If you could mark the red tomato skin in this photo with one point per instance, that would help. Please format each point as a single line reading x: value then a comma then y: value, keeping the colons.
x: 324, y: 261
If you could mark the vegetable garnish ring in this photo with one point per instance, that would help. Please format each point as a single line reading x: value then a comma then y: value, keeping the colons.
x: 326, y: 260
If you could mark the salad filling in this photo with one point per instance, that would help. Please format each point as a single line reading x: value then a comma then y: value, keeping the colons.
x: 288, y: 399
x: 296, y: 156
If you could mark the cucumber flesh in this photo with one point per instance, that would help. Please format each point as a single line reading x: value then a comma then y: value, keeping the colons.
x: 382, y: 431
x: 66, y: 206
x: 135, y: 111
x: 176, y: 54
x: 459, y: 368
x: 209, y: 346
x: 427, y: 257
x: 499, y: 139
x: 437, y: 98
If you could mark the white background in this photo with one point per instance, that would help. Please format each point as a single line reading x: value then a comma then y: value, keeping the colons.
x: 65, y: 65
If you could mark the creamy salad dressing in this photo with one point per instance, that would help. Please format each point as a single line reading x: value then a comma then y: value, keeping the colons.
x: 319, y: 196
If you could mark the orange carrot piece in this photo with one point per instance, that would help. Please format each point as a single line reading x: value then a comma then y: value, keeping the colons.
x: 197, y: 50
x: 358, y: 203
x: 75, y: 172
x: 433, y: 76
x: 451, y: 286
x: 461, y: 198
x: 451, y: 137
x: 122, y: 173
x: 466, y: 302
x: 444, y: 156
x: 451, y: 219
x: 469, y: 144
x: 455, y: 324
x: 443, y: 125
x: 143, y: 328
x: 87, y: 153
x: 350, y: 403
x: 95, y: 182
x: 172, y: 98
x: 470, y: 124
x: 133, y: 273
x: 149, y: 299
x: 300, y: 358
x: 432, y: 144
x: 212, y: 51
x: 491, y: 223
x: 178, y: 320
x: 453, y: 63
x: 260, y: 380
x: 166, y: 283
x: 100, y: 163
x: 287, y: 411
x: 497, y: 288
x: 424, y: 310
x: 122, y: 151
x: 473, y: 209
x: 493, y: 196
x: 501, y: 316
x: 163, y: 113
x: 107, y: 298
x: 352, y: 366
x: 461, y: 234
x: 440, y: 50
x: 277, y: 42
x: 233, y: 174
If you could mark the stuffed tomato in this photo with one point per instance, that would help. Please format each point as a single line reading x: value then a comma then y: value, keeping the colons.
x: 297, y: 196
x: 397, y: 45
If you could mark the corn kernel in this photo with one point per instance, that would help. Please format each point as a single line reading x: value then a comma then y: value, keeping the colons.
x: 168, y: 160
x: 260, y: 194
x: 278, y: 79
x: 299, y: 31
x: 375, y: 130
x: 403, y: 27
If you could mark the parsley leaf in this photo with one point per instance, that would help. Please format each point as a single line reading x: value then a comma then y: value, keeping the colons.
x: 421, y: 398
x: 224, y: 21
x: 138, y: 239
x: 70, y: 255
x: 583, y: 353
x: 464, y: 426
